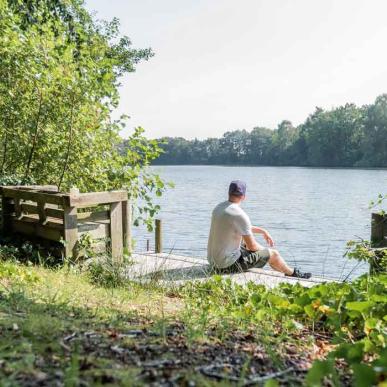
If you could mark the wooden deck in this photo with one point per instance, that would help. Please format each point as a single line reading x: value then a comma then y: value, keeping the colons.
x: 171, y: 269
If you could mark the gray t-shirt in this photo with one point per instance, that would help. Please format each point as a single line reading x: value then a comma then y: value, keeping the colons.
x: 228, y: 224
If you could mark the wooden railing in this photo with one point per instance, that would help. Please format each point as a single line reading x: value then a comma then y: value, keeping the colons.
x: 42, y: 211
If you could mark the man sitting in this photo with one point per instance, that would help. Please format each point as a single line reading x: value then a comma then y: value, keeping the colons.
x: 229, y: 226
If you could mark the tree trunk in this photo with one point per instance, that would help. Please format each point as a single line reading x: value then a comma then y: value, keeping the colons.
x: 35, y: 139
x: 65, y: 165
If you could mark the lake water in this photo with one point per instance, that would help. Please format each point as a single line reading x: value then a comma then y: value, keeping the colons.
x: 310, y: 212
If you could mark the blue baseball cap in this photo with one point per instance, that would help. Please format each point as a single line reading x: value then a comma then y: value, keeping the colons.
x: 237, y: 188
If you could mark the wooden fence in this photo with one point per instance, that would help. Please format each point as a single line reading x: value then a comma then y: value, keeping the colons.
x: 42, y: 211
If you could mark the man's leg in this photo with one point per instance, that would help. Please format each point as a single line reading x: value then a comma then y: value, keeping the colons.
x: 257, y: 259
x: 251, y: 259
x: 278, y: 263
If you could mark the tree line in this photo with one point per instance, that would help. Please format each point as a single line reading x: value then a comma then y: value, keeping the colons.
x: 346, y: 136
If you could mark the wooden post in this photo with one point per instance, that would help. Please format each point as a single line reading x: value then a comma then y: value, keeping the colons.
x: 116, y: 236
x: 147, y: 245
x: 379, y: 243
x: 158, y: 237
x: 70, y: 223
x: 377, y: 229
x: 127, y: 225
x: 18, y: 209
x: 7, y: 209
x: 42, y: 212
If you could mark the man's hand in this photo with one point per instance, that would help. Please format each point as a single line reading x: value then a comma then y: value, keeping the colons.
x: 265, y: 234
x: 268, y: 239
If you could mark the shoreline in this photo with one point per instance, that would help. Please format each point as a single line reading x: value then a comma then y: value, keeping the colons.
x: 268, y: 166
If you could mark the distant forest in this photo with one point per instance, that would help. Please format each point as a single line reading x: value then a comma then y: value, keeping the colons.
x: 346, y: 136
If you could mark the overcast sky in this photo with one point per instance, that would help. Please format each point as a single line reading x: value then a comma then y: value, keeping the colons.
x: 223, y: 64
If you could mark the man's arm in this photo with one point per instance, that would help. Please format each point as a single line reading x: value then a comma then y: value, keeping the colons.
x: 251, y: 243
x: 265, y: 233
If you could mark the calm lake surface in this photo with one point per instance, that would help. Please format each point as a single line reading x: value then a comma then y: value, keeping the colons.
x: 310, y: 212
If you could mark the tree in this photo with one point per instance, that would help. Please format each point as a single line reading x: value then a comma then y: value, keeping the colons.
x: 374, y: 144
x: 60, y: 72
x: 333, y: 137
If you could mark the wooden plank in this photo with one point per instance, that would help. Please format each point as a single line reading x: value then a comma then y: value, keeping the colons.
x: 33, y: 228
x: 96, y: 230
x: 70, y: 231
x: 127, y: 225
x: 116, y: 230
x: 50, y: 212
x: 49, y: 188
x: 93, y: 216
x: 158, y: 237
x: 35, y: 196
x: 95, y: 198
x: 51, y: 222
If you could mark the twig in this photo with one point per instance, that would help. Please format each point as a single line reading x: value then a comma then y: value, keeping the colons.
x: 206, y: 370
x: 353, y: 269
x: 321, y: 336
x: 260, y: 379
x: 70, y: 337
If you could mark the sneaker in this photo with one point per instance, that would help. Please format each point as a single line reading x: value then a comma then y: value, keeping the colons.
x: 299, y: 274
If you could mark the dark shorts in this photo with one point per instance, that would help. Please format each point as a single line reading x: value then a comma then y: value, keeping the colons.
x: 248, y: 260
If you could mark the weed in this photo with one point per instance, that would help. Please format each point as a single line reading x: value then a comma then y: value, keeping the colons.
x: 107, y: 273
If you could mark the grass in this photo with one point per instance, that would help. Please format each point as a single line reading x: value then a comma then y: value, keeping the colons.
x: 76, y: 326
x: 58, y: 327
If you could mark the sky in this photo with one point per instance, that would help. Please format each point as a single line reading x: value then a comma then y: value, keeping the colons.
x: 222, y: 65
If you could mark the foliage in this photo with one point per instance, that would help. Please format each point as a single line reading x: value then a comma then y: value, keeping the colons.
x: 60, y: 72
x: 355, y: 314
x: 346, y: 136
x: 362, y: 251
x: 10, y: 271
x: 378, y: 202
x: 107, y: 273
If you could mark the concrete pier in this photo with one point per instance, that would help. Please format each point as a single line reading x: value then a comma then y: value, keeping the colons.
x: 169, y: 269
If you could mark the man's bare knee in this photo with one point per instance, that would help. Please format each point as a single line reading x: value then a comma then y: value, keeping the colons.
x: 274, y: 255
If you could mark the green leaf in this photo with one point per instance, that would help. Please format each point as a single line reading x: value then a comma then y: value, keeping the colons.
x: 364, y: 375
x: 319, y: 370
x: 359, y: 306
x: 352, y: 353
x: 310, y: 311
x: 255, y: 299
x: 271, y: 383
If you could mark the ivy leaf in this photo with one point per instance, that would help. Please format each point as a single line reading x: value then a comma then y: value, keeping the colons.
x: 318, y: 371
x: 359, y: 306
x: 364, y: 375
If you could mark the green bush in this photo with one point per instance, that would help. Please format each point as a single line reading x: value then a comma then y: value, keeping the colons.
x: 13, y: 271
x: 106, y: 273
